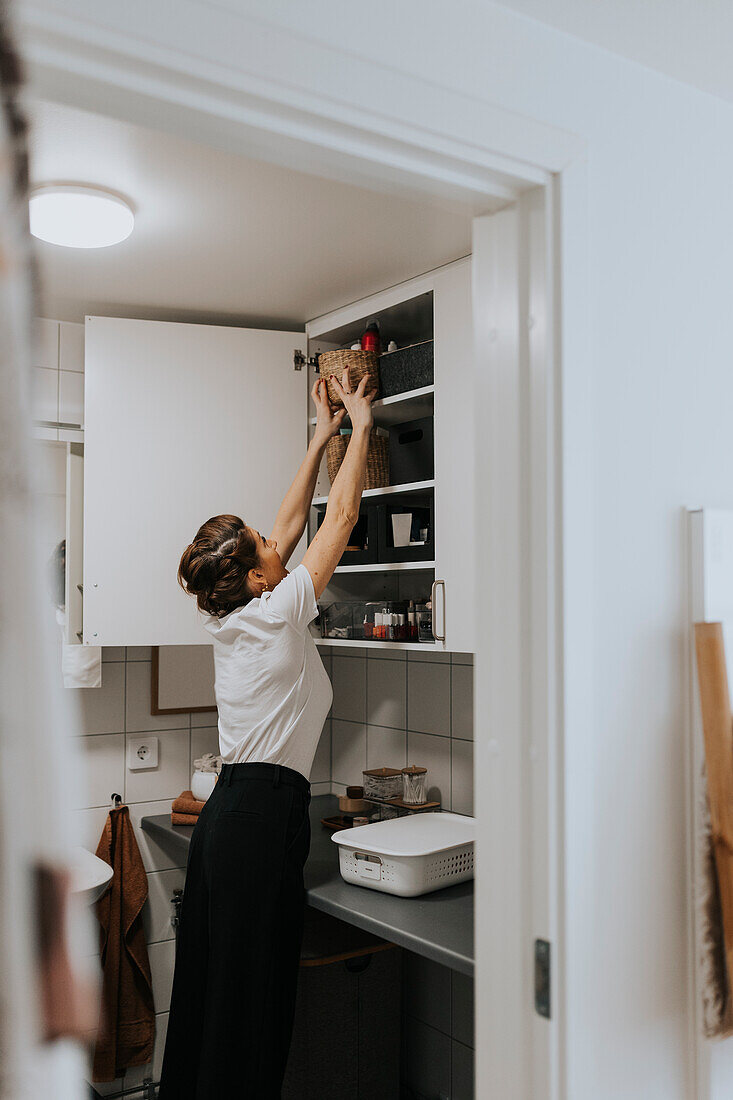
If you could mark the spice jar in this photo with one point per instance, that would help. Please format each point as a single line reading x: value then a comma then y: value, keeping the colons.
x: 414, y: 785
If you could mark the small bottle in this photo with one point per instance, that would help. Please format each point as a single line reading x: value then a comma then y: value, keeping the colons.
x: 412, y: 622
x: 402, y: 627
x: 368, y: 629
x: 370, y: 340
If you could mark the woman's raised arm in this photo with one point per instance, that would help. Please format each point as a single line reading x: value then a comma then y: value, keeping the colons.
x: 292, y: 515
x: 342, y: 511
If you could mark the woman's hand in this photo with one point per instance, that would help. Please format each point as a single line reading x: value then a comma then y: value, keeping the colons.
x: 359, y: 403
x: 328, y: 420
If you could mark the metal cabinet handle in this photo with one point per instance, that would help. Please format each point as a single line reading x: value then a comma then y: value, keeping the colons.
x: 438, y: 637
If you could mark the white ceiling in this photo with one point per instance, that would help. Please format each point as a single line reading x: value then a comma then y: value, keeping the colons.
x: 220, y: 238
x: 690, y: 40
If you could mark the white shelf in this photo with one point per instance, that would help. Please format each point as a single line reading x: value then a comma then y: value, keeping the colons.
x: 356, y: 643
x: 388, y: 491
x: 390, y: 567
x: 412, y: 405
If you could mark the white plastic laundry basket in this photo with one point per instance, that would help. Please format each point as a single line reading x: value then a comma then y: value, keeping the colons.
x: 408, y: 855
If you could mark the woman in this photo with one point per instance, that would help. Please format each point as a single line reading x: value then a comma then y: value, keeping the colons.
x: 241, y: 922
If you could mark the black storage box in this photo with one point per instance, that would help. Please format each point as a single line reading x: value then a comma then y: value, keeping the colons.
x: 411, y: 451
x: 408, y: 368
x: 364, y: 535
x: 346, y: 1036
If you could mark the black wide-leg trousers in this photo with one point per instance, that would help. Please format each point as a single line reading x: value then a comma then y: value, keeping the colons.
x: 239, y: 938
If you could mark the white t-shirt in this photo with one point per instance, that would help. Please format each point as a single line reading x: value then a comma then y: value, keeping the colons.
x: 271, y: 688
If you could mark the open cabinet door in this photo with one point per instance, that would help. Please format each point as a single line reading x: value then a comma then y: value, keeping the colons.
x: 517, y: 1015
x: 183, y: 422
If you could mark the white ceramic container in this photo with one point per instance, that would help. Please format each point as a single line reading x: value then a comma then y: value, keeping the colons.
x: 202, y: 784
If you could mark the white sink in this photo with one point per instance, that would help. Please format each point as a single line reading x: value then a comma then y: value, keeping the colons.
x: 90, y: 875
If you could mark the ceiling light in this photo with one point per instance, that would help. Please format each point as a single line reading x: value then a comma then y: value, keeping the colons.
x: 79, y: 217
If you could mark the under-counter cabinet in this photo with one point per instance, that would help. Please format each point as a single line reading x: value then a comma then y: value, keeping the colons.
x: 185, y: 421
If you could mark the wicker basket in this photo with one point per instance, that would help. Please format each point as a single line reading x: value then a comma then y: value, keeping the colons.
x: 359, y: 364
x: 377, y: 467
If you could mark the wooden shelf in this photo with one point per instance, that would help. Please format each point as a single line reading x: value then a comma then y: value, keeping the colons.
x: 389, y: 567
x: 411, y: 405
x: 387, y: 491
x: 359, y: 643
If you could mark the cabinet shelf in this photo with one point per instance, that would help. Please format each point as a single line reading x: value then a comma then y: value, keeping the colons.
x: 387, y: 491
x: 357, y: 643
x: 390, y: 567
x: 412, y: 405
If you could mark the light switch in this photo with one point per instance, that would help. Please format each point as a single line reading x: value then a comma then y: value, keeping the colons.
x: 142, y: 753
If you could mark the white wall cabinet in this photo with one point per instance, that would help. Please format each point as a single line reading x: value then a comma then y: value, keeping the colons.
x: 437, y: 305
x: 183, y: 422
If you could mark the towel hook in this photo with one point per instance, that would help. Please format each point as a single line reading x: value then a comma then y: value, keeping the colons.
x: 116, y: 801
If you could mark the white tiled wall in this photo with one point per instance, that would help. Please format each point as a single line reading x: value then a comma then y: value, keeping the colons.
x: 57, y: 383
x: 393, y: 708
x: 121, y: 708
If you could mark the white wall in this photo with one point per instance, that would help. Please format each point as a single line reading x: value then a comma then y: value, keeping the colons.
x: 659, y: 233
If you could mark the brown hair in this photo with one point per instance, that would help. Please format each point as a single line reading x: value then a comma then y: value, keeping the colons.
x: 215, y: 565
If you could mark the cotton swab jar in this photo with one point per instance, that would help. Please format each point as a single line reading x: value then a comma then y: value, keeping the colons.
x: 414, y: 785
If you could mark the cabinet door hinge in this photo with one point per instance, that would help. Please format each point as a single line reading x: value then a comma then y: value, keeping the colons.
x: 300, y: 360
x: 542, y: 978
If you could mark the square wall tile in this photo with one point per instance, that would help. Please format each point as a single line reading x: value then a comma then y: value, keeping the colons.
x: 349, y: 688
x: 204, y: 717
x: 462, y: 777
x: 321, y: 768
x: 322, y: 788
x: 386, y: 748
x: 379, y: 654
x: 102, y: 709
x: 462, y: 1058
x: 428, y: 698
x: 429, y: 654
x: 348, y: 752
x: 387, y: 693
x: 44, y: 394
x: 427, y: 1067
x: 104, y: 758
x: 88, y: 826
x: 462, y: 702
x: 71, y: 397
x: 113, y: 653
x: 426, y: 991
x: 170, y: 777
x: 158, y: 910
x: 162, y: 957
x: 71, y: 346
x: 156, y: 856
x: 138, y: 717
x: 139, y: 652
x: 462, y: 1008
x: 433, y: 753
x: 203, y: 739
x: 45, y: 349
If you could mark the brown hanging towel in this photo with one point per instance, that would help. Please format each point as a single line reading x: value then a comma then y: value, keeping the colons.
x: 127, y: 1024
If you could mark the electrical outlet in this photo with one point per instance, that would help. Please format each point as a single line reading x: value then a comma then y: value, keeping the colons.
x: 142, y: 753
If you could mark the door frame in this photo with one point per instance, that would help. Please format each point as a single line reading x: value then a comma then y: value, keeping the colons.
x: 230, y: 80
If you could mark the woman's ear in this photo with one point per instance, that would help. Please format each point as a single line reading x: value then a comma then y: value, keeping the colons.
x: 255, y: 579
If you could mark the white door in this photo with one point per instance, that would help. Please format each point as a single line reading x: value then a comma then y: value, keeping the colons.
x: 183, y: 422
x: 517, y: 656
x: 455, y: 541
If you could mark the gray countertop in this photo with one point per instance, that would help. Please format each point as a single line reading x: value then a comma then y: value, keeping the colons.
x: 438, y: 926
